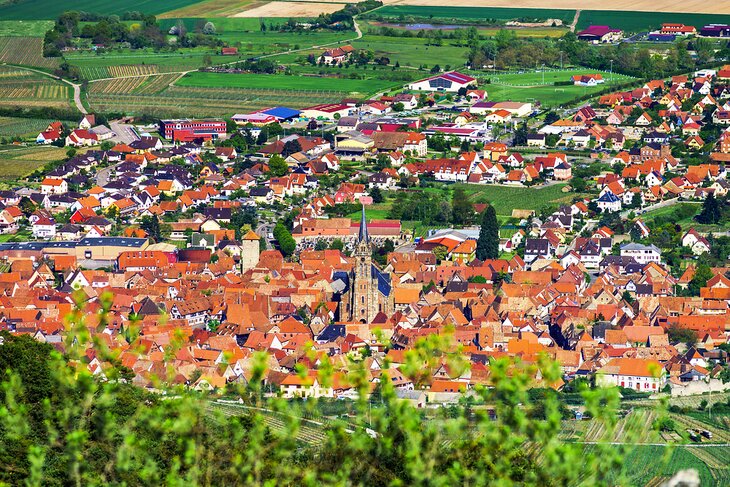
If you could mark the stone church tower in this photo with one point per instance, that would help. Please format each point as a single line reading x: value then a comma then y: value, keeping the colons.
x: 363, y: 298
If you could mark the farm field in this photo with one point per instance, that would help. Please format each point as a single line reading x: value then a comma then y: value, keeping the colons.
x: 143, y: 85
x: 698, y: 6
x: 142, y: 62
x: 528, y: 32
x: 25, y: 28
x: 283, y: 82
x: 22, y: 87
x: 11, y: 126
x: 177, y: 101
x: 209, y: 8
x: 486, y: 14
x: 641, y: 21
x: 19, y: 161
x: 27, y: 51
x: 51, y: 9
x: 247, y: 32
x: 289, y: 9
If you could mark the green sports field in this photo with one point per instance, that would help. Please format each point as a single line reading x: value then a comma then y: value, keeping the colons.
x: 531, y: 86
x: 283, y: 82
x: 51, y: 9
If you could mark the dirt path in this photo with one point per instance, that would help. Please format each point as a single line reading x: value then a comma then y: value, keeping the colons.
x: 575, y: 20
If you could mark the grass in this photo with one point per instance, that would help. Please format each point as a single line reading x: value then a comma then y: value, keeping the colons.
x: 508, y: 198
x: 26, y: 51
x: 19, y: 161
x: 503, y: 198
x: 540, y: 86
x: 549, y: 77
x: 441, y: 13
x: 22, y: 28
x: 642, y: 464
x: 413, y: 51
x: 51, y: 9
x: 642, y: 21
x: 10, y: 126
x: 283, y: 82
x: 680, y: 213
x: 245, y: 33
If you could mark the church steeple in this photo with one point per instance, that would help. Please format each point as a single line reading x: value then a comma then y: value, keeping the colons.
x: 363, y: 303
x: 363, y: 235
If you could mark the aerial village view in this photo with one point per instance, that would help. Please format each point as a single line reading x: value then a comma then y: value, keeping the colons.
x: 364, y: 243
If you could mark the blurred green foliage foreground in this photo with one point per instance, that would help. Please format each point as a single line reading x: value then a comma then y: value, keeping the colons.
x: 60, y: 425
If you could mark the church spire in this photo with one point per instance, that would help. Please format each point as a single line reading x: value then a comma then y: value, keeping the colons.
x: 363, y: 235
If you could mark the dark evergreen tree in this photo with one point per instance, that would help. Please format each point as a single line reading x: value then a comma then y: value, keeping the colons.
x: 488, y: 242
x: 462, y: 209
x: 710, y: 213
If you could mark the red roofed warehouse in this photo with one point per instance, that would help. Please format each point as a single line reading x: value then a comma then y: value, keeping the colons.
x: 600, y: 33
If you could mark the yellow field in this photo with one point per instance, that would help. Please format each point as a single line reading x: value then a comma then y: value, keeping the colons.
x: 290, y: 9
x: 210, y: 8
x: 684, y: 6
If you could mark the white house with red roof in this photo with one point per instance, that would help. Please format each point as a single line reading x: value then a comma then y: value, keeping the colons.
x: 695, y: 242
x: 451, y: 81
x: 587, y: 79
x: 44, y: 228
x: 337, y: 55
x: 81, y: 137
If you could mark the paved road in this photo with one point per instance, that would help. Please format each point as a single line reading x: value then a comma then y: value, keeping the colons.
x: 102, y: 177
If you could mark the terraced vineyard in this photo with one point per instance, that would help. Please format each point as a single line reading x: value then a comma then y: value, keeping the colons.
x: 118, y: 85
x: 22, y: 87
x: 308, y: 431
x: 132, y: 70
x: 142, y: 85
x: 18, y: 161
x: 94, y: 72
x: 10, y: 126
x: 193, y: 101
x: 27, y: 51
x: 718, y: 435
x: 155, y: 84
x: 717, y: 460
